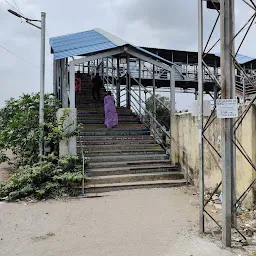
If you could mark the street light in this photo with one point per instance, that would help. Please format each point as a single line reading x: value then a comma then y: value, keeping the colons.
x: 42, y: 72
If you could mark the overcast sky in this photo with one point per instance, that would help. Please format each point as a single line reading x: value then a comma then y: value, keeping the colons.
x: 163, y: 23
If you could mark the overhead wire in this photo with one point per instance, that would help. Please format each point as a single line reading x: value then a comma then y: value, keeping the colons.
x: 13, y: 7
x: 17, y: 56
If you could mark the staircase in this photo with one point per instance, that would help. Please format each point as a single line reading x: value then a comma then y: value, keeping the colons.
x: 126, y: 157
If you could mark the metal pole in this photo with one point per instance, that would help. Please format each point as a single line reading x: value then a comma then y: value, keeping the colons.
x: 243, y: 89
x: 42, y: 82
x: 89, y: 68
x: 140, y: 102
x: 55, y: 77
x: 196, y: 94
x: 200, y: 117
x: 227, y: 92
x: 64, y: 84
x: 107, y: 75
x: 215, y: 85
x: 72, y: 86
x: 118, y: 81
x: 172, y: 112
x: 112, y: 72
x: 154, y: 94
x: 128, y: 83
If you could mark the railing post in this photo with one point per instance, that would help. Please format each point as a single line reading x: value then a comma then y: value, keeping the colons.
x: 118, y: 95
x: 107, y: 75
x: 55, y: 77
x: 154, y: 99
x: 172, y: 110
x: 140, y: 102
x: 128, y: 82
x: 72, y: 86
x: 64, y: 83
x: 244, y: 89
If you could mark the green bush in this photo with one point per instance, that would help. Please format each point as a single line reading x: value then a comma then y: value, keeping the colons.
x: 51, y: 178
x: 19, y: 132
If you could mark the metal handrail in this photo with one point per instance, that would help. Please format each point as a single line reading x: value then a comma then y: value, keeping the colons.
x: 150, y: 93
x: 83, y: 159
x: 162, y: 129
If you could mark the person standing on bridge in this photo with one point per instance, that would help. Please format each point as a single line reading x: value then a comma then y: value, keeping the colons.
x: 97, y: 84
x: 111, y: 117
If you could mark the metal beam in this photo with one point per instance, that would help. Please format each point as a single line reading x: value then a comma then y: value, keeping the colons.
x: 147, y: 59
x: 128, y: 82
x: 100, y: 55
x: 118, y: 94
x: 227, y: 92
x: 72, y: 85
x: 64, y: 83
x: 55, y: 77
x: 140, y: 101
x: 172, y: 110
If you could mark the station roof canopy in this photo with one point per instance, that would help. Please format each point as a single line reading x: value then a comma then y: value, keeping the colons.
x: 97, y: 40
x: 91, y: 42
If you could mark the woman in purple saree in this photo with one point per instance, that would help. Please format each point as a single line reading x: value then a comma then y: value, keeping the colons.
x: 111, y: 117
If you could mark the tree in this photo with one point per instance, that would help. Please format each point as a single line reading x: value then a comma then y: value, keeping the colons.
x: 19, y: 127
x: 19, y: 132
x: 162, y: 110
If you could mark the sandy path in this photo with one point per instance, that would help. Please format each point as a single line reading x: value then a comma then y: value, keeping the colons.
x: 128, y: 223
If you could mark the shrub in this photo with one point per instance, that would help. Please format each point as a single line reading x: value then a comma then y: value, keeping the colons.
x: 51, y: 178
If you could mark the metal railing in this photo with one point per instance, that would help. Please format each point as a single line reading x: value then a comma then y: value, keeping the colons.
x: 83, y: 160
x: 158, y: 131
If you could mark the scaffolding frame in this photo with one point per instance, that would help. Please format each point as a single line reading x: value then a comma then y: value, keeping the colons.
x: 230, y: 142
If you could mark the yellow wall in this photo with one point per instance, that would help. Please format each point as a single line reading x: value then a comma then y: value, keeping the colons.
x: 185, y: 133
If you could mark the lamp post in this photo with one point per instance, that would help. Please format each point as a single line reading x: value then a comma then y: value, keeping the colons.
x: 42, y: 73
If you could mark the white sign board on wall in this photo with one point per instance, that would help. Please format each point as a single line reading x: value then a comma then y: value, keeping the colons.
x: 227, y: 108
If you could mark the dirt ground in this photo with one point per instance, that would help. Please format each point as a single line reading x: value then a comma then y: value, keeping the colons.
x: 156, y: 222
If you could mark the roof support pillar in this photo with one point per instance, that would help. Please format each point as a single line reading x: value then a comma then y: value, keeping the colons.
x: 172, y: 111
x: 154, y: 98
x: 64, y: 92
x: 72, y: 85
x: 128, y: 82
x: 118, y: 95
x: 140, y: 101
x: 55, y: 77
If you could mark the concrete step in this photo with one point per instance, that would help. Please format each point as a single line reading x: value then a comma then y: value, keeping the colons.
x: 101, y: 117
x: 96, y: 110
x: 118, y: 139
x: 131, y: 169
x: 92, y: 148
x: 102, y: 188
x: 112, y: 143
x: 120, y: 127
x: 102, y: 120
x: 116, y: 133
x: 123, y: 158
x: 125, y: 152
x: 125, y: 178
x: 126, y: 110
x: 129, y: 163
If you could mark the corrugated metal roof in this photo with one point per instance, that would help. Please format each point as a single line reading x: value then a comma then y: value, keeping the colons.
x: 154, y: 55
x: 79, y: 43
x: 91, y: 41
x: 241, y: 59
